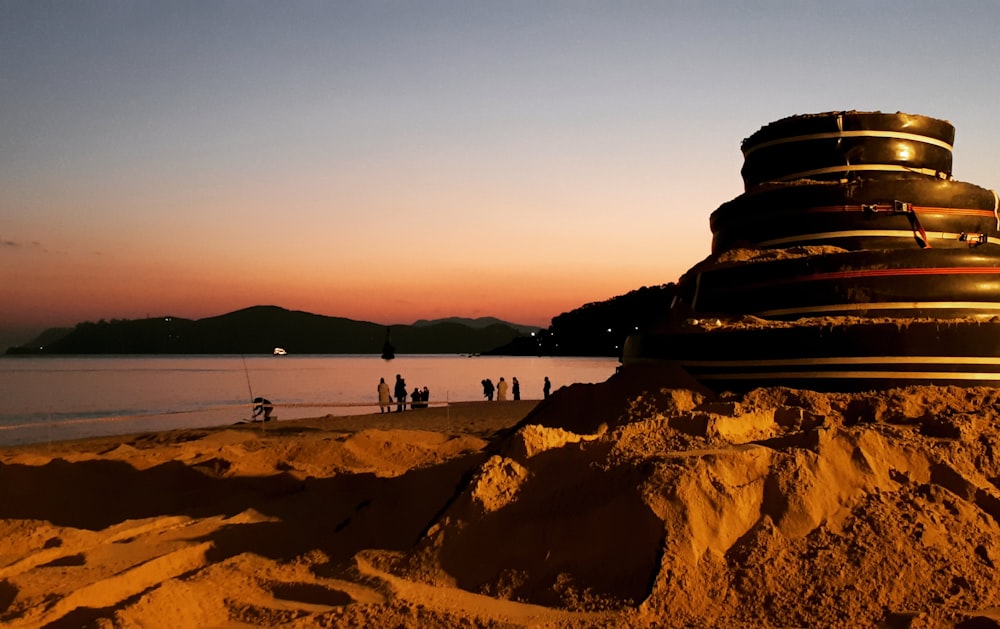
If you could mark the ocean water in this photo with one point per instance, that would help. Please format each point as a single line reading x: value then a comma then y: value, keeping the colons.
x: 57, y: 398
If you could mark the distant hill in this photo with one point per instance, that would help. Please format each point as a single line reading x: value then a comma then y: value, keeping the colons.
x: 259, y: 329
x: 45, y: 338
x: 598, y: 328
x: 479, y: 323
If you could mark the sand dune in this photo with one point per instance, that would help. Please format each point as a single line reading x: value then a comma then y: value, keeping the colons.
x: 643, y: 501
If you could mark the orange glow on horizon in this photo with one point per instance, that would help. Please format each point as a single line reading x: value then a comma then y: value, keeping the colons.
x: 125, y: 286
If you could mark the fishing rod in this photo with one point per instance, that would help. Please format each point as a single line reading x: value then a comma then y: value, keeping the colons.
x: 246, y: 371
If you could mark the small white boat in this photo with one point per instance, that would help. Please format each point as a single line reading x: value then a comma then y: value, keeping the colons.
x: 279, y: 351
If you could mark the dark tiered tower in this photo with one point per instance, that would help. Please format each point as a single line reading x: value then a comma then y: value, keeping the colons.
x: 852, y: 261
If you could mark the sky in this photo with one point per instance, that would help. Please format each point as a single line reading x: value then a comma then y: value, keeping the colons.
x: 395, y: 160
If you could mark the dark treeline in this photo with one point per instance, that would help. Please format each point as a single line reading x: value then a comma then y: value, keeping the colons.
x: 598, y: 328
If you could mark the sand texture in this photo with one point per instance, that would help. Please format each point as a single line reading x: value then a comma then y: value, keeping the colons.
x: 644, y: 501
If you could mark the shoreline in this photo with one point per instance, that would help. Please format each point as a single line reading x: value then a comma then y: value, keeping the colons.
x: 77, y: 398
x: 478, y: 418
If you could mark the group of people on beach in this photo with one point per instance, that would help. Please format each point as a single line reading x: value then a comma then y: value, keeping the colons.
x: 500, y: 388
x: 515, y: 388
x: 418, y: 399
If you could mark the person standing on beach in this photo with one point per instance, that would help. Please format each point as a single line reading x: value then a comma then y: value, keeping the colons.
x: 384, y: 399
x: 546, y: 387
x: 515, y: 388
x: 400, y: 392
x: 488, y: 389
x: 502, y: 390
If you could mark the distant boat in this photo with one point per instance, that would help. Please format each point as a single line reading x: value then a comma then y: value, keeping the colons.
x: 388, y: 351
x: 279, y: 351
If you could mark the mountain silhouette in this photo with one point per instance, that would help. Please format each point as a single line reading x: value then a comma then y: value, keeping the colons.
x: 259, y: 329
x: 594, y: 329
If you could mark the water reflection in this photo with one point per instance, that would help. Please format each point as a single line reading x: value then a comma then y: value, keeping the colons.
x: 99, y: 395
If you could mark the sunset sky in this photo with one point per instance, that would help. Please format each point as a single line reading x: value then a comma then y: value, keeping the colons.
x: 395, y: 160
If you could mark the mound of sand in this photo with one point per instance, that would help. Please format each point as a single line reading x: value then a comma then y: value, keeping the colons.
x: 645, y: 501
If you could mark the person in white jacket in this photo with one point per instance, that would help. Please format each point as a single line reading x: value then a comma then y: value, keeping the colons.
x: 501, y: 390
x: 384, y: 399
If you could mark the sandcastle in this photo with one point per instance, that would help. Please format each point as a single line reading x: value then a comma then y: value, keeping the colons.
x: 851, y: 261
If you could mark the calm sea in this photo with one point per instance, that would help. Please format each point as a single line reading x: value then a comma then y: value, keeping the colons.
x: 57, y: 398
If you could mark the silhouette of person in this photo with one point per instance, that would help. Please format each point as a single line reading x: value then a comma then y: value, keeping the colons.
x: 415, y: 398
x: 546, y: 387
x: 501, y: 390
x: 515, y: 388
x: 425, y: 396
x: 384, y: 399
x: 263, y: 406
x: 488, y: 389
x: 400, y: 392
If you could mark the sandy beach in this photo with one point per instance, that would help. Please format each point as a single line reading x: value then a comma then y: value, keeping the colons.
x: 644, y: 501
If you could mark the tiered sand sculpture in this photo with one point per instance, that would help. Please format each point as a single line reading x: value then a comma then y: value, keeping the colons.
x: 852, y: 261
